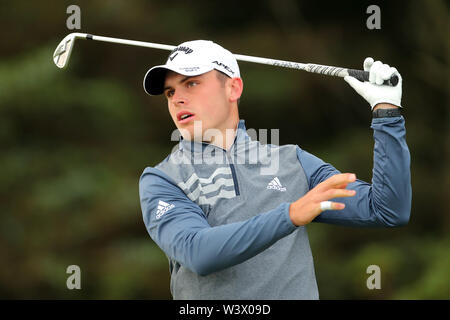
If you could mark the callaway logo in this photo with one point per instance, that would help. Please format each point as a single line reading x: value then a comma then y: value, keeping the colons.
x: 174, y: 52
x: 275, y: 184
x: 173, y: 57
x: 163, y: 207
x: 186, y: 50
x: 220, y: 64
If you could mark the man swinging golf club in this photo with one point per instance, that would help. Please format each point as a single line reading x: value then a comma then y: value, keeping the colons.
x: 234, y: 231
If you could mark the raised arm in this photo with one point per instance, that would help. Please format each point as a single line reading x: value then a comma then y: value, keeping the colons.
x: 387, y: 200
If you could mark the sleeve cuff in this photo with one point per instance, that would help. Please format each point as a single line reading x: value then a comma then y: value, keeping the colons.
x: 387, y: 113
x: 287, y: 219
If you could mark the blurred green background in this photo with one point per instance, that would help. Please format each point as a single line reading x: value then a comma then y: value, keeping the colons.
x: 74, y: 142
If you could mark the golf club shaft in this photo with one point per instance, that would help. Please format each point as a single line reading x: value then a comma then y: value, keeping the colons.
x: 130, y: 42
x: 309, y: 67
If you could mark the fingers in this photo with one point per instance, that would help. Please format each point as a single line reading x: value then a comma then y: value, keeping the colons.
x: 338, y: 180
x: 382, y: 74
x: 368, y: 63
x: 334, y: 187
x: 335, y: 193
x: 329, y: 205
x: 379, y: 72
x: 306, y: 208
x: 374, y: 70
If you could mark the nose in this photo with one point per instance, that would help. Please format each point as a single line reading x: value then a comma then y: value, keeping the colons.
x: 179, y: 99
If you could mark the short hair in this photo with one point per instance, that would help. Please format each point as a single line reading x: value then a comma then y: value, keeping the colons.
x: 223, y: 78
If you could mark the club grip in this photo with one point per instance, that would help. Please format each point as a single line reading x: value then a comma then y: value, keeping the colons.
x: 364, y: 76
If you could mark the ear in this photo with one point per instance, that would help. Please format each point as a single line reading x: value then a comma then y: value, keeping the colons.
x: 236, y: 86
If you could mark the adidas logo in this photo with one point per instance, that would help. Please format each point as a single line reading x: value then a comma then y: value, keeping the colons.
x: 276, y: 185
x: 163, y: 207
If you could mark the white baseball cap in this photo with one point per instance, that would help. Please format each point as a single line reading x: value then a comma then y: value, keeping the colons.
x: 192, y: 58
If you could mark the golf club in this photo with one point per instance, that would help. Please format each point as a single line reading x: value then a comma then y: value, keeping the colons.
x: 62, y: 54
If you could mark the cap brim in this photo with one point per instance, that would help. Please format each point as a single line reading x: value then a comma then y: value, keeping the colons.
x: 155, y: 78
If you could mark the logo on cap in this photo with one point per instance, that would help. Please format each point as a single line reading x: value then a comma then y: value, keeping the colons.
x: 173, y: 57
x: 220, y: 64
x: 174, y: 52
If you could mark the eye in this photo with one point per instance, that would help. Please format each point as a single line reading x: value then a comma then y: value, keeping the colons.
x: 169, y: 93
x: 191, y: 83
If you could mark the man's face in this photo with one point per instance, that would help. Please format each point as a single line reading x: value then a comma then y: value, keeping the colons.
x: 204, y: 98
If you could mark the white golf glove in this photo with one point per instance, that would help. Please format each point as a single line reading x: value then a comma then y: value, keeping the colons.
x: 374, y: 91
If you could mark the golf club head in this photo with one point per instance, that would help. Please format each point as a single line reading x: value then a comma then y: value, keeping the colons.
x: 64, y: 49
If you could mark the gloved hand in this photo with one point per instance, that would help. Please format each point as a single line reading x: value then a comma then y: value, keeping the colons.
x: 374, y: 91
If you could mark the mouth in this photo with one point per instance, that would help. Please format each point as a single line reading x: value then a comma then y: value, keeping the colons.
x: 184, y: 116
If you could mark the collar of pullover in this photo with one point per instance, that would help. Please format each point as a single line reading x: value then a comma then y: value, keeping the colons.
x: 199, y: 147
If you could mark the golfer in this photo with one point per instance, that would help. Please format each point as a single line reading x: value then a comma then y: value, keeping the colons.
x: 230, y: 212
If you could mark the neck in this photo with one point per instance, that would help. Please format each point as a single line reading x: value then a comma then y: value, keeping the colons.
x: 224, y: 140
x: 223, y: 137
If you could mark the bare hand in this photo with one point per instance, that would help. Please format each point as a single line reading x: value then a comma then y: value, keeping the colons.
x: 305, y: 209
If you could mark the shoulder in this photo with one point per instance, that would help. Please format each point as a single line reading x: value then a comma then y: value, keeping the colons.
x: 171, y: 169
x: 171, y: 159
